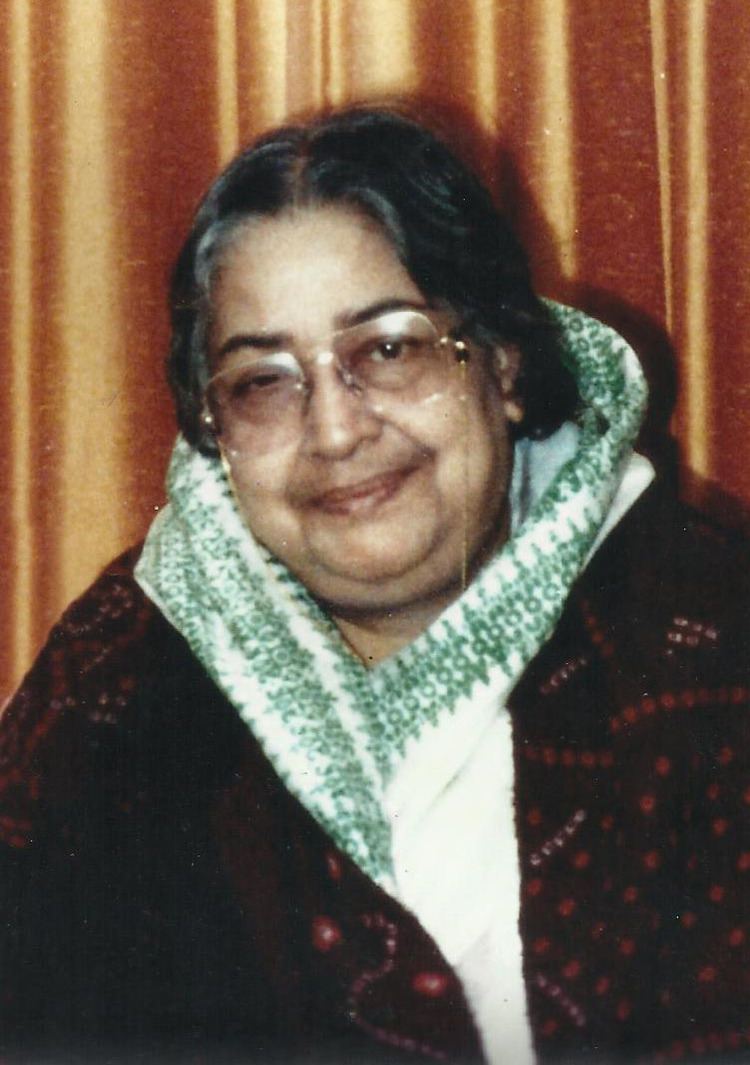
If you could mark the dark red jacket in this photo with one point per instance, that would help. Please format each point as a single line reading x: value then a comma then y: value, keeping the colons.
x: 162, y: 894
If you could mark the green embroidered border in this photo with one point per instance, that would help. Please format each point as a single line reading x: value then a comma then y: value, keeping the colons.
x: 335, y: 731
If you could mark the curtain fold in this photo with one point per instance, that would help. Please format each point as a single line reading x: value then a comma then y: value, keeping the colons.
x: 616, y: 135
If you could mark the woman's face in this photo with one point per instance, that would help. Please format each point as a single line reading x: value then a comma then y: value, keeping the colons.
x: 373, y: 507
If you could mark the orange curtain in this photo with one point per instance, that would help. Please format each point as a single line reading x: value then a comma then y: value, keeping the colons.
x: 617, y: 135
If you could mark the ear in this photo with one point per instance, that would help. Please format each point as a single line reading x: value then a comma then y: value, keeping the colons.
x: 507, y: 363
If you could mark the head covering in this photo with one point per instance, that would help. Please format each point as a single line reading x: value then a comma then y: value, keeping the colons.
x: 337, y: 732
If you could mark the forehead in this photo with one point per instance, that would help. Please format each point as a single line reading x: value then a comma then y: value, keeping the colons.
x: 306, y: 269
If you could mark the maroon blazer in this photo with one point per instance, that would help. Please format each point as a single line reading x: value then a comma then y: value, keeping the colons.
x: 164, y: 898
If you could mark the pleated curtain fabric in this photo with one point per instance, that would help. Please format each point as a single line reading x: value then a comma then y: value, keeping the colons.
x: 617, y: 135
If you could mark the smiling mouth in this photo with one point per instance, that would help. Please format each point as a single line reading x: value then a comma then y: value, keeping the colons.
x: 363, y: 496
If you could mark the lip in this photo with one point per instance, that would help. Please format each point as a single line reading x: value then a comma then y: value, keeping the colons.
x: 363, y: 495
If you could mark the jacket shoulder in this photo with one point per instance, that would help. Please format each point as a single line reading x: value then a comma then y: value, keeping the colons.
x: 661, y: 616
x: 97, y: 630
x: 668, y: 564
x: 81, y: 682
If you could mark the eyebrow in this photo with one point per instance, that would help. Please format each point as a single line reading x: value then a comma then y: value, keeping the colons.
x: 260, y: 341
x: 275, y: 341
x: 374, y: 310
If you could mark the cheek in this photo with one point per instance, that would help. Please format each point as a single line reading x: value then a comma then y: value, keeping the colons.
x: 487, y: 463
x: 477, y: 447
x: 261, y: 490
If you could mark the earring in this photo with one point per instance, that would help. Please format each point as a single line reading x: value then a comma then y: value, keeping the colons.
x: 207, y: 420
x: 513, y: 408
x: 506, y: 374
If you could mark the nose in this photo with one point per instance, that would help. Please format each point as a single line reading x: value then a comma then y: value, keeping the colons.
x: 339, y: 417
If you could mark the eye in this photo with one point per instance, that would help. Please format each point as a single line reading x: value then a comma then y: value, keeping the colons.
x: 395, y: 348
x: 259, y: 380
x: 389, y: 350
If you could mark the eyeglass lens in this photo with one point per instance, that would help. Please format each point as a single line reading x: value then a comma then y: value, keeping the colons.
x: 259, y: 403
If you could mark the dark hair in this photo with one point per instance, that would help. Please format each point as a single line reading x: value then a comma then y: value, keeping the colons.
x: 440, y: 219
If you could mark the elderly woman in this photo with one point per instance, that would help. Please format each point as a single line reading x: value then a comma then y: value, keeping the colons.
x: 415, y: 728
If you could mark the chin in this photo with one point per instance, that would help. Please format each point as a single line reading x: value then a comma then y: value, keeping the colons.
x: 389, y: 583
x: 385, y: 555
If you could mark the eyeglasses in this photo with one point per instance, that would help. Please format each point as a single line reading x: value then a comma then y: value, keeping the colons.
x: 259, y: 402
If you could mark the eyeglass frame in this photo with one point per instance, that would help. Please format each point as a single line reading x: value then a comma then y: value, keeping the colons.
x: 461, y: 350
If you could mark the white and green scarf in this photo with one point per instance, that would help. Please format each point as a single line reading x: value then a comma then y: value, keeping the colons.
x: 337, y: 732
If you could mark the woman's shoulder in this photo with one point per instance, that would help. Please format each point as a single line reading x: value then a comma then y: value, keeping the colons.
x: 80, y: 686
x: 666, y: 559
x: 99, y: 634
x: 656, y: 627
